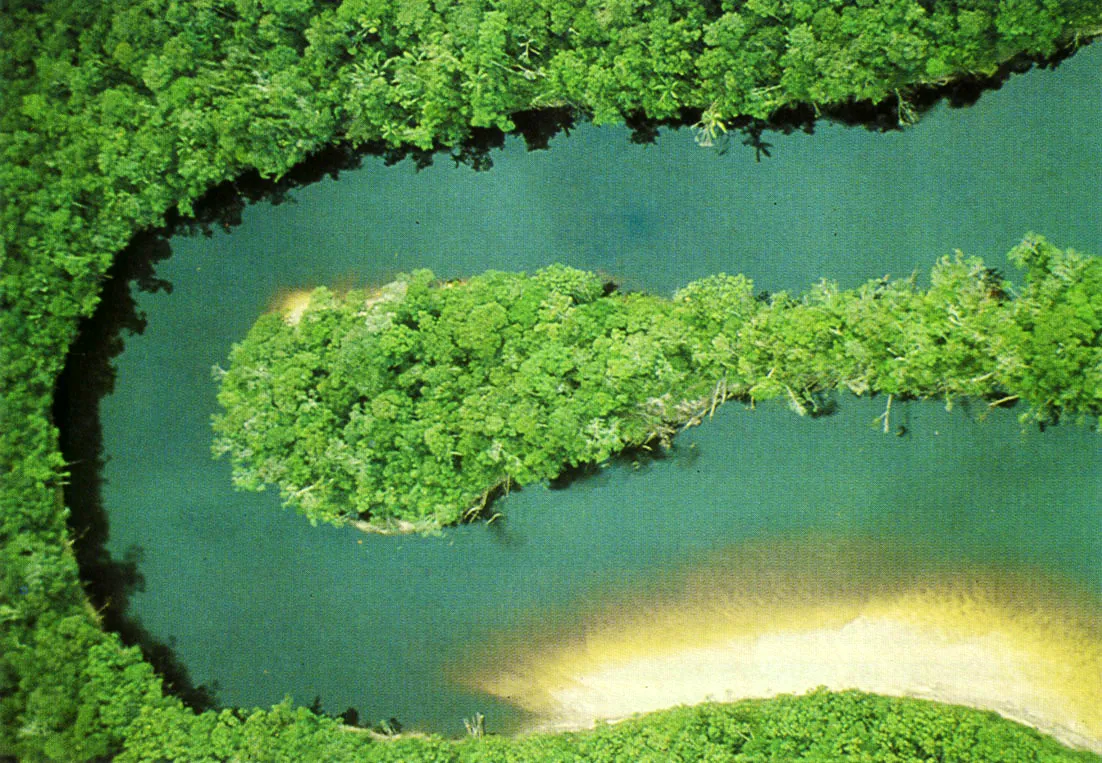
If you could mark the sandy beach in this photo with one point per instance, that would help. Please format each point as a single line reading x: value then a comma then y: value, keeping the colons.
x: 1019, y: 646
x: 877, y: 655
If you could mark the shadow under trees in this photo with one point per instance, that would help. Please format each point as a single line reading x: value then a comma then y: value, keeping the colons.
x: 88, y: 377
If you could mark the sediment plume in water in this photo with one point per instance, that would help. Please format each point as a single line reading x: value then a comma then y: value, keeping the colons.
x: 759, y: 620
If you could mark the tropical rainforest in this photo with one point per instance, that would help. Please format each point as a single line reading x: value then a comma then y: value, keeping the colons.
x: 113, y: 115
x: 408, y: 408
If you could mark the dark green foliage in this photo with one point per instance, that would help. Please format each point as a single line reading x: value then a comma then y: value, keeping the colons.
x: 111, y: 114
x: 406, y: 409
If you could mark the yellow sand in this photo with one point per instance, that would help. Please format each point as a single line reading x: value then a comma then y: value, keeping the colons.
x: 788, y: 617
x: 293, y: 304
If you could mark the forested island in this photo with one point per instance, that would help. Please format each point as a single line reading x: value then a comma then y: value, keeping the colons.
x: 113, y: 116
x: 407, y: 408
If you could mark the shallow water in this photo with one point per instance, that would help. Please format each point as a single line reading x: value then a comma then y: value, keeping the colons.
x: 255, y: 599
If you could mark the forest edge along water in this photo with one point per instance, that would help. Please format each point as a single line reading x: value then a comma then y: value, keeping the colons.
x: 117, y: 114
x: 520, y: 518
x: 518, y: 530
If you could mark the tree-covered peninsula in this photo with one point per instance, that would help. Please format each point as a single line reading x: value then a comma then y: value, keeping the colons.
x: 406, y: 408
x: 114, y: 114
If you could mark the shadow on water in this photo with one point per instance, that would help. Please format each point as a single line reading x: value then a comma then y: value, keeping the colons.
x: 387, y: 727
x: 89, y: 374
x: 639, y: 458
x: 88, y: 377
x: 893, y: 114
x: 223, y: 206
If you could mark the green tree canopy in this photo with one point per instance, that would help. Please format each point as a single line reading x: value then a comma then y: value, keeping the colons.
x: 408, y: 408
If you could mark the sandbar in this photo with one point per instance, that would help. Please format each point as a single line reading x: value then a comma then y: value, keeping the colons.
x: 758, y: 623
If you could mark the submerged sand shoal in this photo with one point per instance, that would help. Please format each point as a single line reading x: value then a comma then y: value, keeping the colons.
x: 739, y: 626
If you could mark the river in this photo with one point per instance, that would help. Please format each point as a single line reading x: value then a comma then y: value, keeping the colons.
x: 255, y: 600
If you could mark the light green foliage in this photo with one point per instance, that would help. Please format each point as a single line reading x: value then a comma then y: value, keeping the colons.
x: 415, y: 409
x: 95, y: 689
x: 112, y: 114
x: 466, y: 387
x: 820, y: 726
x: 283, y: 733
x: 1055, y: 331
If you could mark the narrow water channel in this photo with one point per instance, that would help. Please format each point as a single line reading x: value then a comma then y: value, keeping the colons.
x: 259, y: 603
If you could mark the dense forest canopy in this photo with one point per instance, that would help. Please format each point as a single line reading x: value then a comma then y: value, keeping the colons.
x: 820, y: 727
x: 408, y: 407
x: 113, y: 114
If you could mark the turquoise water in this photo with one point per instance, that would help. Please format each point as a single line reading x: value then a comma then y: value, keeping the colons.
x: 255, y: 599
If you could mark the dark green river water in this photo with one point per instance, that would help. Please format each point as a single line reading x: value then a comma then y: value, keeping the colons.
x: 255, y: 599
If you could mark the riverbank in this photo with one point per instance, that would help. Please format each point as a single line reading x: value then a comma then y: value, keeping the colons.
x: 1012, y: 644
x: 882, y: 656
